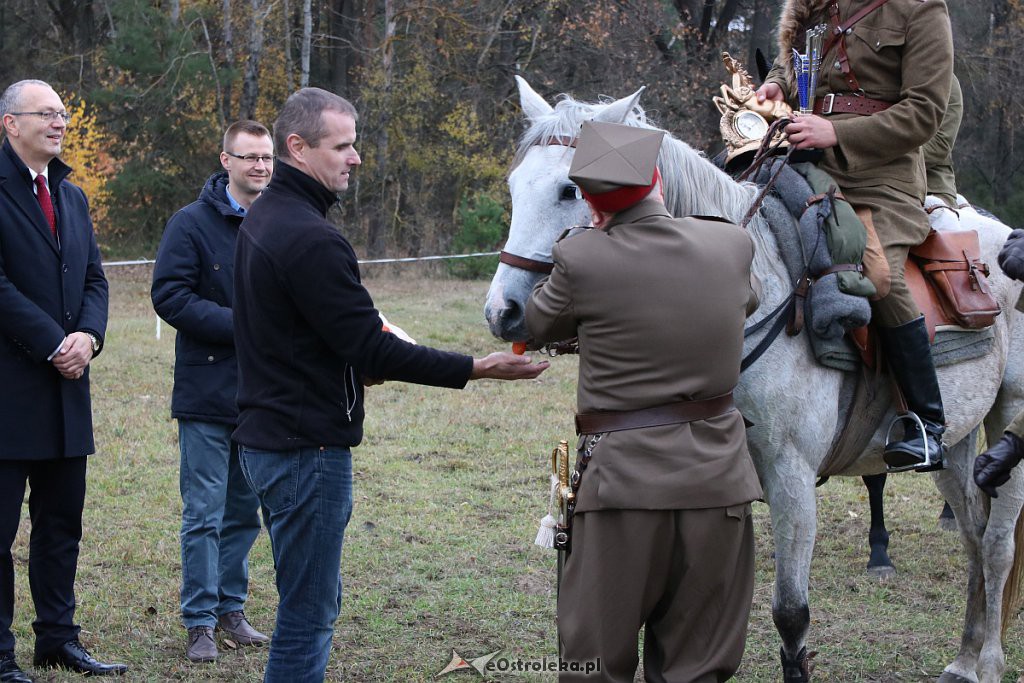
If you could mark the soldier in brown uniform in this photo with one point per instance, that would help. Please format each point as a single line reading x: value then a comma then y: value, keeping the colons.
x: 882, y: 90
x: 662, y: 536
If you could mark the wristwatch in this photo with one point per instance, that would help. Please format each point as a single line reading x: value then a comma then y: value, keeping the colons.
x: 95, y: 342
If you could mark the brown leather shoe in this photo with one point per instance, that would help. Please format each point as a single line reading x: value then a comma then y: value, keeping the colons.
x: 201, y: 645
x: 236, y: 627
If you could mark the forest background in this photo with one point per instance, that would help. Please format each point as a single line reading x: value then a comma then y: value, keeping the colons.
x: 152, y: 85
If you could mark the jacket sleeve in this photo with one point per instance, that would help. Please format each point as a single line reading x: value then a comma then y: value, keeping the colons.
x: 549, y: 312
x: 92, y: 317
x: 30, y: 327
x: 325, y: 286
x: 925, y: 73
x: 176, y: 283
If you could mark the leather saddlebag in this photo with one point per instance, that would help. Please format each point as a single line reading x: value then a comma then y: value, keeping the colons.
x: 952, y: 265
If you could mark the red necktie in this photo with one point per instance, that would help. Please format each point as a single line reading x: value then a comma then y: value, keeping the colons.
x: 43, y: 195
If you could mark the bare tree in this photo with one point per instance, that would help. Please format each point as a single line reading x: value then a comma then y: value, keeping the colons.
x: 307, y: 37
x: 251, y: 81
x: 379, y: 223
x: 229, y: 56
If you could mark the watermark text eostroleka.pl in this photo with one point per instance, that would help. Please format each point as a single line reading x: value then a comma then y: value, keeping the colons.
x: 491, y: 663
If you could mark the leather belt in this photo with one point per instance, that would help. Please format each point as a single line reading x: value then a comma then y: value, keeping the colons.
x: 849, y: 104
x: 656, y: 416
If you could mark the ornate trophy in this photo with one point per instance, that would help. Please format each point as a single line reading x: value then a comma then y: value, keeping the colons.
x: 744, y: 122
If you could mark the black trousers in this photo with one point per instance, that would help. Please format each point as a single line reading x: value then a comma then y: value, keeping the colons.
x: 56, y: 499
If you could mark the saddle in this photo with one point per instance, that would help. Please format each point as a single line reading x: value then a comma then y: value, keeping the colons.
x: 947, y: 279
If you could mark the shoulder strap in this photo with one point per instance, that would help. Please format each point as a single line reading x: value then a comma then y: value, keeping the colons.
x: 839, y: 30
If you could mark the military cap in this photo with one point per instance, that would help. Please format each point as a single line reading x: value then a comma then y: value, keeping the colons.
x: 615, y: 166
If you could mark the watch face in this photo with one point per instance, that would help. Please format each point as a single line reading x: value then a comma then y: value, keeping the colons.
x: 750, y: 125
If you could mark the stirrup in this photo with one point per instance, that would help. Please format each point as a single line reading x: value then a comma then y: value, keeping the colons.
x: 931, y: 462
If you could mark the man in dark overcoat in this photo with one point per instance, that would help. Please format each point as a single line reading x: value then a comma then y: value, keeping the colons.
x: 53, y: 316
x: 662, y: 537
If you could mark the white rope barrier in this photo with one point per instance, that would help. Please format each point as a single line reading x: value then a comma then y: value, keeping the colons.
x: 409, y: 259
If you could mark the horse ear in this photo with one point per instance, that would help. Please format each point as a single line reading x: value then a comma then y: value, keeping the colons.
x: 533, y: 104
x: 617, y: 111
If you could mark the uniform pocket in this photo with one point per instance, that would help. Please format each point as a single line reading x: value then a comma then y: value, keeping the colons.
x: 738, y: 512
x: 879, y: 37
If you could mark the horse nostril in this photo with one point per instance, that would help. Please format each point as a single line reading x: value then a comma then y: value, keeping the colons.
x: 512, y: 312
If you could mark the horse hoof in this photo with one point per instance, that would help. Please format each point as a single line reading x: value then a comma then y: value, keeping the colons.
x: 882, y: 573
x: 948, y: 524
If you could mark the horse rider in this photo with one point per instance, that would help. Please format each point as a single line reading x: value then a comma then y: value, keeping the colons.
x: 662, y: 533
x: 884, y: 84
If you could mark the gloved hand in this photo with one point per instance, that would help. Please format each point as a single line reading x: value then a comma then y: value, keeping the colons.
x: 1011, y: 256
x: 992, y: 468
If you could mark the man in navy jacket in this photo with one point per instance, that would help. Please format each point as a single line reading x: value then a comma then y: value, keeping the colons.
x: 308, y: 336
x: 53, y: 315
x: 192, y: 286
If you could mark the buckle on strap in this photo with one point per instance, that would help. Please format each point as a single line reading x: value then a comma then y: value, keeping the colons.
x: 827, y: 103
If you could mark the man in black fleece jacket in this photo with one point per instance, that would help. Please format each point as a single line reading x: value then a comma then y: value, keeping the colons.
x: 307, y: 334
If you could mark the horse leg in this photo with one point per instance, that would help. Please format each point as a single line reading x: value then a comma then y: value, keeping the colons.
x: 794, y: 523
x: 879, y: 564
x: 997, y: 562
x: 957, y: 487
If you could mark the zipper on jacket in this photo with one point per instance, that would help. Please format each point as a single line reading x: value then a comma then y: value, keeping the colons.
x: 351, y: 376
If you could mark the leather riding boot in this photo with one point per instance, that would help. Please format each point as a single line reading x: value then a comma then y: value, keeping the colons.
x: 992, y: 468
x: 909, y: 353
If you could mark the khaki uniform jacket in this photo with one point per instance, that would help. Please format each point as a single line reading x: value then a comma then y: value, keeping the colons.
x: 902, y: 53
x: 659, y: 305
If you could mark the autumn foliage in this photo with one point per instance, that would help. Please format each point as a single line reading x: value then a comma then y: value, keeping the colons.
x: 152, y: 86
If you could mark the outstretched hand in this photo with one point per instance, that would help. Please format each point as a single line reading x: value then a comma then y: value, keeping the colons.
x: 504, y: 365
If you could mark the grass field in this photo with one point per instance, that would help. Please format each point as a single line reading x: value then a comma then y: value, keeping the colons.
x: 439, y: 555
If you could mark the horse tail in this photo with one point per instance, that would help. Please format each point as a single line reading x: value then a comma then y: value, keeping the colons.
x: 1013, y: 592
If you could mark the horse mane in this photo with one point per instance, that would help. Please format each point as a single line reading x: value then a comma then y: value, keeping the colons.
x: 691, y: 183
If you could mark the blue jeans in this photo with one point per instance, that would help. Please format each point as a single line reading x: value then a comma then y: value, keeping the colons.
x: 306, y: 496
x: 219, y: 523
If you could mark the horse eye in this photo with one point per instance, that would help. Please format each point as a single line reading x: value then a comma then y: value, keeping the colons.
x: 570, y: 193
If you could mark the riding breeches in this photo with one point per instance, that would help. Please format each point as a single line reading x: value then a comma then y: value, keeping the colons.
x: 685, y: 576
x: 899, y: 222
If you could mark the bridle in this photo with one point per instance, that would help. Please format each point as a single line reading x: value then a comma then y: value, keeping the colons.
x: 522, y: 262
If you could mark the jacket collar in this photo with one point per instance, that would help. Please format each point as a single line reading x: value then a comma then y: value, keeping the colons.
x: 645, y: 208
x: 12, y: 166
x: 290, y: 180
x: 215, y: 194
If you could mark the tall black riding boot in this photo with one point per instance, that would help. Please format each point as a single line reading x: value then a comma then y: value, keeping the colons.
x: 909, y: 354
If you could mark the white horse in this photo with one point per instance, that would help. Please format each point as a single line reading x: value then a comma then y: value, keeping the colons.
x: 795, y: 403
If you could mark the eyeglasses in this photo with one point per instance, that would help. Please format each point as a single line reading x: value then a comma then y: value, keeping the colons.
x: 252, y: 158
x: 48, y: 116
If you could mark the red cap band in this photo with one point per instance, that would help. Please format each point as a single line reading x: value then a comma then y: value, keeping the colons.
x: 614, y: 201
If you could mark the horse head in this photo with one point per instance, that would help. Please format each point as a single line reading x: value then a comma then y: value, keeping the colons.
x: 544, y: 201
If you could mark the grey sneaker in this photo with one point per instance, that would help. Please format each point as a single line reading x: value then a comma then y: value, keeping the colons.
x: 236, y: 627
x: 201, y: 646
